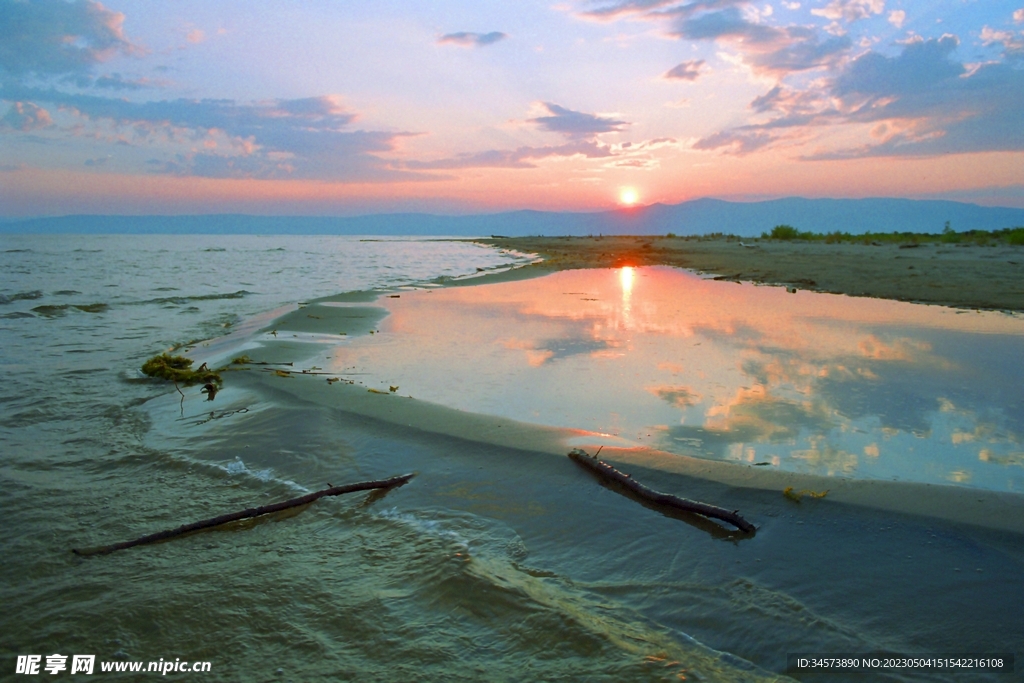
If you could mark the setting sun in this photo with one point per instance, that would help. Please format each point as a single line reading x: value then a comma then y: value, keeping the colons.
x: 628, y: 196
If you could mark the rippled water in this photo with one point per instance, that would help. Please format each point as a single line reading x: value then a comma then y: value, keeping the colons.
x: 493, y: 564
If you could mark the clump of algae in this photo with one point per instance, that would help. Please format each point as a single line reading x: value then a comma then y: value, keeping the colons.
x: 797, y: 495
x: 179, y: 369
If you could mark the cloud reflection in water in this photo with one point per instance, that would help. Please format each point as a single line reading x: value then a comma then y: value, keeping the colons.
x: 808, y: 382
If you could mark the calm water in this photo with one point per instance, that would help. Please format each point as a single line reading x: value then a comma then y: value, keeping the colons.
x: 813, y: 383
x: 493, y: 564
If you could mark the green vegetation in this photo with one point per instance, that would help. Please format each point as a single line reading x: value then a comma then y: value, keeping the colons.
x: 179, y: 369
x: 787, y: 232
x: 947, y: 236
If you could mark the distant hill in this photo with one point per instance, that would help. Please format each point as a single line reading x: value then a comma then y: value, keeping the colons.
x: 697, y: 217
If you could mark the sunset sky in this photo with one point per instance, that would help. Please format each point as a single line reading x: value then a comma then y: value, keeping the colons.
x: 338, y: 108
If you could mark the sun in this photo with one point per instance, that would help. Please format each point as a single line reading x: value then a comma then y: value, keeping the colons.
x: 628, y: 196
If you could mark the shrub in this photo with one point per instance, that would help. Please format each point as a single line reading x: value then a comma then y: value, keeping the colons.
x: 784, y: 232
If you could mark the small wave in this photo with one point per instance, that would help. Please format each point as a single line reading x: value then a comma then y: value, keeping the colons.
x: 16, y: 314
x: 54, y: 310
x: 20, y: 296
x: 427, y: 527
x: 238, y: 467
x: 181, y: 300
x: 18, y: 251
x: 215, y: 249
x: 66, y: 292
x: 51, y: 310
x: 91, y: 308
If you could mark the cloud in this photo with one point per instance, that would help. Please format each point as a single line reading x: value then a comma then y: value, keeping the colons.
x: 118, y: 82
x: 736, y: 141
x: 918, y: 103
x: 625, y: 7
x: 766, y: 49
x: 850, y: 10
x: 580, y: 129
x: 1018, y: 16
x: 687, y: 71
x: 933, y: 104
x: 576, y: 124
x: 25, y: 116
x: 521, y: 157
x: 50, y: 37
x: 62, y: 42
x: 921, y: 66
x: 298, y: 138
x: 1013, y: 44
x: 897, y: 17
x: 195, y: 36
x: 468, y: 39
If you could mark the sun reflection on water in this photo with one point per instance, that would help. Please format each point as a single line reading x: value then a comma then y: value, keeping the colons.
x: 626, y: 278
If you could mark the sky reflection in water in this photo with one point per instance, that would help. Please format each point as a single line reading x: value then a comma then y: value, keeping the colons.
x: 659, y: 357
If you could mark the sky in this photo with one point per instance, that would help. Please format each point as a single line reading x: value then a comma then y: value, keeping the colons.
x: 465, y: 106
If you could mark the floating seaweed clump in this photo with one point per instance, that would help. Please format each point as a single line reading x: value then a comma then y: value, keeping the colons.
x: 179, y: 369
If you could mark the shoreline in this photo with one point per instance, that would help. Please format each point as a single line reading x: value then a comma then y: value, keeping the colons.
x: 308, y: 329
x: 965, y: 276
x: 995, y: 510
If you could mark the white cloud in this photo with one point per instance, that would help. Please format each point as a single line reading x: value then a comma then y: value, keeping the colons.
x: 1011, y: 42
x: 850, y: 10
x: 1018, y: 16
x: 897, y: 17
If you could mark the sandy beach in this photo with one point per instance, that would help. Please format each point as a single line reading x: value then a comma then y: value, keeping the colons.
x: 959, y: 275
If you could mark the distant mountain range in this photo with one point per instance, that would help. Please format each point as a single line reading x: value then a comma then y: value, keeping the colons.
x: 697, y: 217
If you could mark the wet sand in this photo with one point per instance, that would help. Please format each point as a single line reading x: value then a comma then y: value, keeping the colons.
x: 958, y: 275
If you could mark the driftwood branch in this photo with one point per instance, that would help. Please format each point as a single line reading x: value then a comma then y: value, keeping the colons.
x: 606, y: 471
x: 245, y: 514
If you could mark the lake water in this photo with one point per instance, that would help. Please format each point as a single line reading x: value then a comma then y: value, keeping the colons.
x: 659, y: 357
x: 494, y: 563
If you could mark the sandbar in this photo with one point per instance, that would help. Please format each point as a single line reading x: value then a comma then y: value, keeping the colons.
x: 962, y: 275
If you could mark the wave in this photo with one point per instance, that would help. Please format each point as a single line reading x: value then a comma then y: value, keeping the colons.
x: 55, y: 310
x: 181, y: 300
x: 21, y: 296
